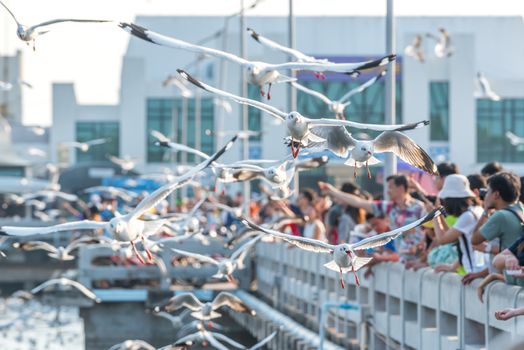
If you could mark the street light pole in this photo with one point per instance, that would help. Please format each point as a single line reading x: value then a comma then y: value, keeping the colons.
x: 244, y: 111
x: 292, y: 92
x: 390, y: 164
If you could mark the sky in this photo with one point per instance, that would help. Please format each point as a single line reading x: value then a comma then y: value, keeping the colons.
x: 90, y: 55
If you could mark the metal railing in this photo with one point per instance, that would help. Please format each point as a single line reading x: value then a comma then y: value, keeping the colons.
x: 399, y: 308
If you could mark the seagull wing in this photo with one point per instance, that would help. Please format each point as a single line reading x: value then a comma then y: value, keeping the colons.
x: 263, y: 341
x: 338, y: 139
x: 159, y: 136
x: 69, y: 226
x: 54, y: 21
x: 65, y: 282
x: 309, y: 244
x: 96, y: 142
x: 203, y: 258
x: 312, y: 92
x: 333, y: 67
x: 386, y: 237
x: 262, y: 106
x: 362, y: 87
x: 241, y: 252
x: 159, y: 39
x: 406, y: 149
x: 157, y: 196
x: 8, y: 10
x: 210, y: 336
x: 195, y: 208
x: 183, y: 148
x: 188, y: 300
x: 377, y: 127
x: 514, y: 139
x: 275, y: 46
x: 35, y: 245
x: 231, y: 301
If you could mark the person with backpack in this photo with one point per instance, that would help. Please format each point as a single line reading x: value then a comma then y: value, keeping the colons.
x: 458, y: 201
x: 503, y: 215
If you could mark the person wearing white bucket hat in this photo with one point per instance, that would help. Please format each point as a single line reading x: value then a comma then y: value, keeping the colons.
x: 457, y: 199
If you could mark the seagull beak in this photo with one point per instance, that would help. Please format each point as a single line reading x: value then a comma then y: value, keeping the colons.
x: 370, y: 153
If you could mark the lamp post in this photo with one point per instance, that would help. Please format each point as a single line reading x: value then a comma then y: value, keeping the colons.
x: 243, y: 108
x: 390, y: 164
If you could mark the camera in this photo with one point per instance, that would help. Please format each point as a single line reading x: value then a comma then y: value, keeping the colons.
x: 482, y: 193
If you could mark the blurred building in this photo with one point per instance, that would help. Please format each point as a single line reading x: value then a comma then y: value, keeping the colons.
x: 463, y: 129
x: 11, y: 87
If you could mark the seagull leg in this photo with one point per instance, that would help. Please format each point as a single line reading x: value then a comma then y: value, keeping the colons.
x: 269, y: 91
x: 357, y: 281
x: 341, y: 278
x: 34, y: 45
x: 137, y: 253
x: 355, y: 170
x: 262, y: 93
x: 367, y: 168
x: 293, y: 149
x: 148, y: 252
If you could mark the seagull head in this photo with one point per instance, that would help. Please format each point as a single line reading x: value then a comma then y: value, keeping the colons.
x: 117, y: 225
x: 21, y: 31
x: 338, y: 107
x: 346, y: 249
x: 84, y: 147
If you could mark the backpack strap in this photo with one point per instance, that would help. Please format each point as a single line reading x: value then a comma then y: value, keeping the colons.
x: 518, y: 214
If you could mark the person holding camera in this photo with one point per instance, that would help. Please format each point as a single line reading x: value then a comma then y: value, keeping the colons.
x: 503, y: 215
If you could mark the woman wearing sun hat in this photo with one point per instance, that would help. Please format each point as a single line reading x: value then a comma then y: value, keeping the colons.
x: 457, y: 198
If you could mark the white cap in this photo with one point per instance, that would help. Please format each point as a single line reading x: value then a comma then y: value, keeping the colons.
x: 456, y: 186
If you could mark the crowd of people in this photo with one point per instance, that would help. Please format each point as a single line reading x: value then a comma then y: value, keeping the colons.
x: 480, y: 237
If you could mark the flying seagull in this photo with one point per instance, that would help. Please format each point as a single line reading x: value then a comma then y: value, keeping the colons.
x: 415, y: 49
x: 443, y: 46
x: 128, y: 227
x: 259, y: 73
x: 67, y: 284
x: 84, y: 146
x: 298, y: 126
x: 59, y: 253
x: 359, y: 152
x: 30, y: 33
x: 164, y: 141
x: 225, y: 267
x: 344, y: 257
x: 485, y: 88
x: 206, y: 311
x: 338, y: 106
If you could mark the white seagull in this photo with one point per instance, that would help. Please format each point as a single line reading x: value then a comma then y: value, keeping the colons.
x: 344, y: 257
x: 415, y: 49
x: 278, y: 176
x: 443, y: 46
x: 297, y: 125
x: 133, y: 345
x: 128, y: 227
x: 211, y: 338
x: 242, y: 134
x: 485, y: 89
x: 121, y: 193
x: 65, y: 283
x: 30, y: 33
x: 515, y: 140
x: 225, y: 267
x: 84, y: 146
x: 59, y: 253
x: 359, y: 152
x: 7, y: 86
x: 126, y: 163
x: 164, y: 141
x: 206, y: 311
x: 176, y: 321
x: 259, y: 73
x: 338, y: 106
x: 174, y: 80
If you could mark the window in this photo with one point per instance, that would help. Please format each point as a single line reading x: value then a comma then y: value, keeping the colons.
x: 166, y: 116
x: 86, y: 131
x: 439, y: 110
x: 494, y: 118
x: 12, y: 171
x: 366, y: 107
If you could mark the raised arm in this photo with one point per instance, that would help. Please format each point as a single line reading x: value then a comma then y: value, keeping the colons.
x: 346, y: 198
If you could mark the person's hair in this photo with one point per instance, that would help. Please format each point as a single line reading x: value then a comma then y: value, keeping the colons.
x: 399, y: 180
x: 521, y: 198
x: 476, y: 181
x: 447, y: 168
x: 491, y: 168
x: 309, y: 193
x: 350, y: 187
x: 456, y: 206
x: 507, y: 184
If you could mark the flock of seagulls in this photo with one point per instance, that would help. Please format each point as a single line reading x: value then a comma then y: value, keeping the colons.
x: 136, y: 225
